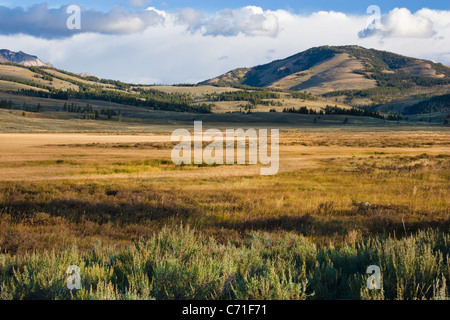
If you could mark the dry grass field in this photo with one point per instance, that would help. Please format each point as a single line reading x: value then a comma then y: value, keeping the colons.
x: 337, y: 71
x: 197, y: 91
x: 106, y: 192
x: 323, y: 178
x: 13, y: 86
x: 116, y: 205
x: 22, y: 74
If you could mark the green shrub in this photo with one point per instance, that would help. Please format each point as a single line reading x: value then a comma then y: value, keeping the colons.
x: 182, y: 264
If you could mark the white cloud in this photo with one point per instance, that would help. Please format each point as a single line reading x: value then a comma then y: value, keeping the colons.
x: 49, y: 23
x: 401, y: 23
x: 440, y: 18
x: 173, y: 53
x: 250, y: 21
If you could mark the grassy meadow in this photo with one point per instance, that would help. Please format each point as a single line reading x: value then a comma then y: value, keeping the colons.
x: 140, y: 227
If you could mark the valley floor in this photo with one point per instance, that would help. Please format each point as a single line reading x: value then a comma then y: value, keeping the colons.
x: 115, y: 205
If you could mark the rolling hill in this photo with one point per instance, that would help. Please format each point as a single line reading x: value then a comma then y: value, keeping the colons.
x: 349, y: 74
x: 326, y: 69
x: 24, y: 84
x: 321, y: 81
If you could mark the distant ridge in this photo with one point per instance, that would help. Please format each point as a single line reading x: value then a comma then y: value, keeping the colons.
x: 327, y: 69
x: 22, y: 58
x: 348, y: 76
x: 88, y: 75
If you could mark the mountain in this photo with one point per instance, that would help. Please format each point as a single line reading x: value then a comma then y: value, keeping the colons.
x: 88, y: 75
x: 343, y: 77
x: 327, y: 69
x: 21, y: 58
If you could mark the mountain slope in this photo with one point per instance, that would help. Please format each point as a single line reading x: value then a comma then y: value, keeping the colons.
x: 344, y: 77
x: 21, y: 58
x: 326, y: 69
x: 431, y: 105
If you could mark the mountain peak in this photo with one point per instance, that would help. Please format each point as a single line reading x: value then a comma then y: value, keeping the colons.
x: 21, y: 58
x: 325, y: 69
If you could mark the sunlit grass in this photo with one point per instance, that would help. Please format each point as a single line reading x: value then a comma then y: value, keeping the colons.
x: 336, y: 204
x: 181, y: 264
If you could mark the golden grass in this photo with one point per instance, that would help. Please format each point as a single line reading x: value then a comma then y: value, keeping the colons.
x: 119, y: 188
x: 196, y: 91
x: 27, y: 75
x: 14, y: 86
x: 337, y: 72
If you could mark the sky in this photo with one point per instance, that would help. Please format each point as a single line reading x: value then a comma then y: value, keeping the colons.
x: 186, y: 41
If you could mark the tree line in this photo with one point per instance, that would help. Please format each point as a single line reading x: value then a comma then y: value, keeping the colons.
x: 150, y: 101
x: 335, y: 110
x: 10, y: 105
x: 434, y: 104
x: 253, y: 97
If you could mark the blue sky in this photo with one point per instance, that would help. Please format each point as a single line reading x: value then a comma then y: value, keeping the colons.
x: 298, y: 6
x: 183, y: 41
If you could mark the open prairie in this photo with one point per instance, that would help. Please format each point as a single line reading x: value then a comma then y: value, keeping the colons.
x: 322, y: 179
x: 69, y: 196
